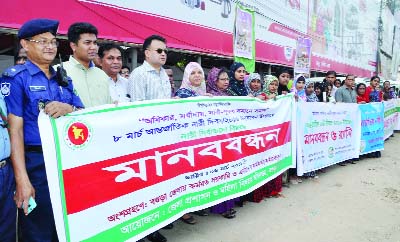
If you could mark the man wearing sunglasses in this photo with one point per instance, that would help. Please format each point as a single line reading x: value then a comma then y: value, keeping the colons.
x: 29, y: 88
x: 150, y: 81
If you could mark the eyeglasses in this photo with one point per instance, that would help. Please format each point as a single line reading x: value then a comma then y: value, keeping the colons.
x: 22, y: 58
x: 223, y: 79
x: 44, y: 43
x: 170, y: 75
x: 159, y: 51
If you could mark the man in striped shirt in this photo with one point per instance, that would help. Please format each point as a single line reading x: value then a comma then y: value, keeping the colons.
x: 150, y: 81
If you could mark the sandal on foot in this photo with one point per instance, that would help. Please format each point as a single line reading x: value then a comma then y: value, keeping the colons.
x: 189, y: 220
x: 232, y: 211
x: 228, y: 215
x: 201, y: 213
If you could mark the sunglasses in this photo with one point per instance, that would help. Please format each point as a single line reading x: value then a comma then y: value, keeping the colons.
x: 159, y: 51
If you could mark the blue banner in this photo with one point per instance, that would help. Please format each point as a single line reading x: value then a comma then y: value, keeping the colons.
x: 372, y: 127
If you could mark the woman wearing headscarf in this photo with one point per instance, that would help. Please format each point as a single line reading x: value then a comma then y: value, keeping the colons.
x: 310, y: 97
x: 218, y: 82
x: 373, y: 92
x: 270, y: 86
x: 237, y: 73
x: 283, y: 78
x: 273, y: 187
x: 310, y: 93
x: 299, y: 87
x: 361, y: 95
x: 193, y: 83
x: 254, y: 86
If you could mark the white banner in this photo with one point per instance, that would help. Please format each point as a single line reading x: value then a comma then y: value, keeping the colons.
x: 327, y: 134
x: 391, y: 117
x: 120, y: 173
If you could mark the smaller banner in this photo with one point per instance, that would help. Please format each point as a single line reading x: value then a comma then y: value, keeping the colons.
x: 391, y: 117
x: 398, y: 111
x: 326, y: 134
x: 372, y: 127
x: 244, y: 38
x: 302, y: 62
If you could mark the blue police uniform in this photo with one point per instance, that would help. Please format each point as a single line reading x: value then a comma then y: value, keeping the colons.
x: 8, y: 210
x: 25, y: 87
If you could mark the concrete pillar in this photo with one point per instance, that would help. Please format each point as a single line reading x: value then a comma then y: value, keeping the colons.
x: 133, y: 54
x: 199, y: 59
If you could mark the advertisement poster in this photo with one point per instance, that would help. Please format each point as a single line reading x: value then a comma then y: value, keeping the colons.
x: 342, y: 32
x: 244, y: 39
x: 243, y: 34
x: 119, y: 179
x: 302, y: 63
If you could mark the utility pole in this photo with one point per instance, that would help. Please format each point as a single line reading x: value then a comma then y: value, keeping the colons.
x: 380, y: 41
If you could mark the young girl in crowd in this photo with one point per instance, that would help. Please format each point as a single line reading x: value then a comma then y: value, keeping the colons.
x: 254, y: 86
x: 283, y: 78
x: 373, y: 92
x: 270, y: 87
x: 337, y: 83
x: 329, y: 96
x: 237, y: 73
x: 310, y: 93
x: 310, y: 97
x: 298, y: 88
x: 273, y: 187
x: 318, y: 89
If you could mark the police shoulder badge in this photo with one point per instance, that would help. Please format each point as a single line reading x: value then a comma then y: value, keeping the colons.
x: 5, y: 88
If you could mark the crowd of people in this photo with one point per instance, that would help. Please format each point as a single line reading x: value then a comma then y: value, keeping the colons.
x: 34, y: 85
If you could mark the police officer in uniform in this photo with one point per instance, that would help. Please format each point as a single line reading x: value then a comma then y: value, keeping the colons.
x: 28, y: 88
x: 8, y: 210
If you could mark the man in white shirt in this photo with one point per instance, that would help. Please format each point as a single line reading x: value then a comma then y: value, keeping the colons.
x: 111, y: 63
x: 150, y: 81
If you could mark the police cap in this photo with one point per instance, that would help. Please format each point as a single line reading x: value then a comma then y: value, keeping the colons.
x: 37, y: 26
